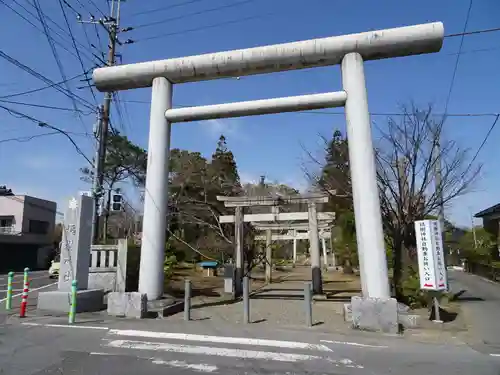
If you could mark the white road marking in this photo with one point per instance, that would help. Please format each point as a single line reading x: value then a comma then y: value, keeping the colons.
x: 102, y: 353
x: 64, y: 326
x: 221, y: 339
x: 495, y: 355
x: 355, y: 344
x: 31, y: 290
x: 207, y: 350
x: 202, y: 367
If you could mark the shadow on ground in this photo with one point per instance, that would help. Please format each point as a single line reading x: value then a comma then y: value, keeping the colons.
x: 445, y: 315
x: 298, y: 294
x: 195, y: 292
x: 460, y: 297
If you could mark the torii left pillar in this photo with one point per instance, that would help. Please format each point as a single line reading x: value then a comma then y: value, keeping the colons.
x: 151, y: 276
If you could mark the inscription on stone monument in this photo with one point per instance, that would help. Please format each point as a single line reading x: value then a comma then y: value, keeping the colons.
x: 76, y: 241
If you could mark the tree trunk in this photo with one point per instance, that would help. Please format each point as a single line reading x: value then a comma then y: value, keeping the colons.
x: 347, y: 269
x: 397, y: 266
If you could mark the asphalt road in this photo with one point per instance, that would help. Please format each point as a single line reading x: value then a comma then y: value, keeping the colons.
x: 151, y: 347
x: 480, y: 301
x: 98, y: 345
x: 38, y: 281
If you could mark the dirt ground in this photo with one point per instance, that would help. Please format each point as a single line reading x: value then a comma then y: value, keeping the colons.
x: 207, y: 289
x: 280, y: 303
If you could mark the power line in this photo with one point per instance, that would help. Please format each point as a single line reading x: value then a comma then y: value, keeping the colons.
x: 31, y: 137
x: 39, y: 206
x: 41, y: 88
x: 31, y: 23
x: 27, y: 138
x: 99, y: 41
x: 474, y: 51
x: 47, y: 125
x: 473, y: 32
x: 41, y: 17
x: 206, y: 27
x: 118, y: 110
x: 76, y: 41
x: 54, y: 31
x: 168, y: 7
x: 76, y: 48
x: 86, y: 9
x: 436, y: 147
x: 182, y: 16
x: 482, y: 143
x: 455, y: 68
x: 98, y: 9
x: 43, y: 78
x: 43, y: 106
x: 127, y: 114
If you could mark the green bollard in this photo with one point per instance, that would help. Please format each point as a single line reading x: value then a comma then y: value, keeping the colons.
x: 26, y: 277
x: 72, y: 308
x: 8, y: 303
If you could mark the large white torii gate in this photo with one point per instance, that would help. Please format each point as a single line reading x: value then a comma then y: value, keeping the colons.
x: 349, y: 50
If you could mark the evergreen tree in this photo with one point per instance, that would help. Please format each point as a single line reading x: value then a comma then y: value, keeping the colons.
x: 335, y: 175
x: 223, y: 169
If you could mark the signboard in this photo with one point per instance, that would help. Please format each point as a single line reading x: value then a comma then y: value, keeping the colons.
x: 431, y: 265
x: 75, y: 244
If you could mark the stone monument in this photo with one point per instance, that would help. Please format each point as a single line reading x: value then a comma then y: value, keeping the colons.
x: 75, y: 261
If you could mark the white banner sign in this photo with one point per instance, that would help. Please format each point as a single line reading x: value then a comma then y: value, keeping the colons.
x: 431, y: 265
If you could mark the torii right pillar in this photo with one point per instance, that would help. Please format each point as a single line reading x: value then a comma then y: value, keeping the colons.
x: 369, y: 233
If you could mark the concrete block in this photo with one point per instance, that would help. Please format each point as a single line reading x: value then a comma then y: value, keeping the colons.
x: 129, y: 305
x: 164, y: 307
x: 410, y: 320
x: 102, y: 280
x: 347, y: 312
x: 375, y: 314
x: 228, y: 285
x: 402, y: 308
x: 88, y: 300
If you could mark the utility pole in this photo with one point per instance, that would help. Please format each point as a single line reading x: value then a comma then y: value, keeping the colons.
x: 473, y: 227
x: 111, y: 25
x: 95, y: 179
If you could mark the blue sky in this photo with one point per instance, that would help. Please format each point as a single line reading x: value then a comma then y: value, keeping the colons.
x: 266, y: 145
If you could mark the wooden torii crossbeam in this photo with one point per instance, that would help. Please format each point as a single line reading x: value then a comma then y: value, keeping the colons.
x: 281, y: 216
x: 289, y: 237
x: 296, y: 231
x: 274, y: 200
x: 292, y: 226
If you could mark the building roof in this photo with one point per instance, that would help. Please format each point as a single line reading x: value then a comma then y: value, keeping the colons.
x: 489, y: 211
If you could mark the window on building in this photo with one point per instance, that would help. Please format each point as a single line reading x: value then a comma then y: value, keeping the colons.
x: 6, y: 222
x: 38, y: 227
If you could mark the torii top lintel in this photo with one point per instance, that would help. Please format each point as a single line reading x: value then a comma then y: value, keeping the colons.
x: 245, y: 201
x: 372, y: 45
